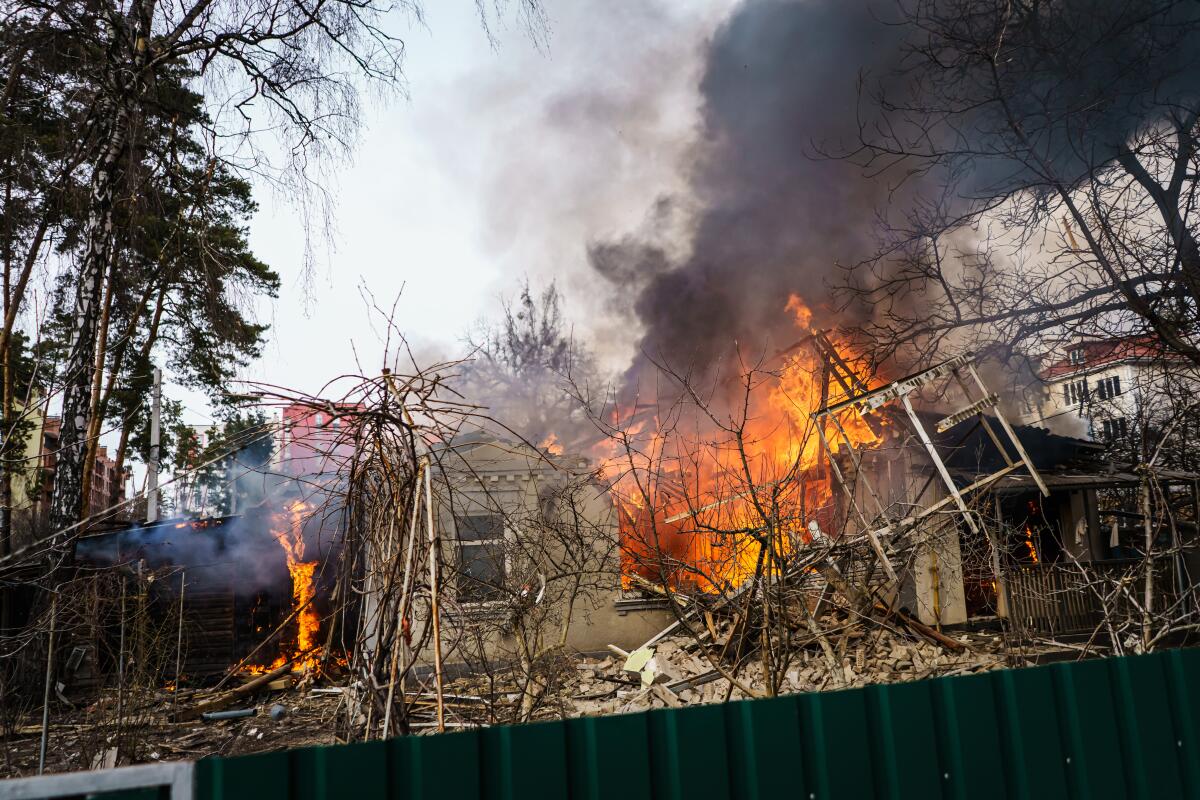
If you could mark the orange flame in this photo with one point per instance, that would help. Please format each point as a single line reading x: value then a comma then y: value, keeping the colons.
x: 288, y: 530
x: 1033, y: 553
x: 699, y: 523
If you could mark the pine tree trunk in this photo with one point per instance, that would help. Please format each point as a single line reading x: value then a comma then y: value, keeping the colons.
x: 9, y: 458
x: 67, y: 503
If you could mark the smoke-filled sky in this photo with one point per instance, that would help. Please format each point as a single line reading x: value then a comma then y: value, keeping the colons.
x: 659, y: 158
x: 668, y: 163
x: 502, y: 162
x: 665, y: 161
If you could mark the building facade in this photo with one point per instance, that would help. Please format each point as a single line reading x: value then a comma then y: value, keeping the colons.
x: 1110, y: 387
x: 312, y: 442
x: 108, y: 483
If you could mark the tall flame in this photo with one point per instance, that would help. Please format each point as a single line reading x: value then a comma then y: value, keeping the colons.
x: 288, y: 530
x: 698, y: 522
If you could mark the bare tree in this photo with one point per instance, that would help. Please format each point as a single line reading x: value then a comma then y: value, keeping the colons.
x: 523, y: 366
x: 1057, y: 148
x: 295, y: 68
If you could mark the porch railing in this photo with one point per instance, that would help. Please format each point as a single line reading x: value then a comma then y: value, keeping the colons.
x: 1072, y: 598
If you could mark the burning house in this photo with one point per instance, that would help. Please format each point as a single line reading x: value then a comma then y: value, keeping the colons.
x: 250, y: 590
x: 925, y: 497
x: 937, y: 508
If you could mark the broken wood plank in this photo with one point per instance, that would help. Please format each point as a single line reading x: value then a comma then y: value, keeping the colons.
x: 224, y: 699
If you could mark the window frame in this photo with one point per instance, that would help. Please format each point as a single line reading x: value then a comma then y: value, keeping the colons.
x: 1108, y: 387
x: 1076, y: 393
x: 502, y: 538
x: 1113, y: 428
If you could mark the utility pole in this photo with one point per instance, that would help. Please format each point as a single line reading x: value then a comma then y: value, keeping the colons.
x: 152, y: 467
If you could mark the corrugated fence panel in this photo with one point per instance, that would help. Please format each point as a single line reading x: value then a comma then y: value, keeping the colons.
x: 609, y: 757
x: 766, y: 753
x: 1092, y: 729
x: 1095, y: 730
x: 689, y: 754
x: 908, y: 761
x: 970, y: 738
x: 1033, y: 733
x: 1185, y: 704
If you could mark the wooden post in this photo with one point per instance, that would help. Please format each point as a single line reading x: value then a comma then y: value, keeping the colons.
x: 876, y: 545
x: 1025, y: 459
x: 179, y: 641
x: 941, y: 467
x: 434, y: 591
x: 46, y: 690
x: 1148, y: 562
x: 121, y: 671
x: 987, y: 426
x: 402, y: 612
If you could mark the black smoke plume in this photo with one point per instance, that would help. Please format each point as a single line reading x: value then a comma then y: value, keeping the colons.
x: 779, y: 193
x: 777, y: 213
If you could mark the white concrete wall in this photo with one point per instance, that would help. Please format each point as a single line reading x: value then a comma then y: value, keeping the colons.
x: 1136, y: 383
x: 511, y: 479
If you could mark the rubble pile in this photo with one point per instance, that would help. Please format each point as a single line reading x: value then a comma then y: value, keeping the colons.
x: 677, y: 670
x: 680, y: 670
x: 683, y: 676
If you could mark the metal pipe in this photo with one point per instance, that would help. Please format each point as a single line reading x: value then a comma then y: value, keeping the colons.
x: 152, y: 467
x: 236, y: 713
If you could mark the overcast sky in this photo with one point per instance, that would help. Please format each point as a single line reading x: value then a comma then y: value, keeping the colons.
x: 503, y: 161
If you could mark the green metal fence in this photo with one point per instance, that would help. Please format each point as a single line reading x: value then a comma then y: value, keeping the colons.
x: 1096, y: 729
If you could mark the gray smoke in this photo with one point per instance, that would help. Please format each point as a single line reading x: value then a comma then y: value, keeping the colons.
x: 777, y: 214
x: 240, y: 551
x: 781, y: 93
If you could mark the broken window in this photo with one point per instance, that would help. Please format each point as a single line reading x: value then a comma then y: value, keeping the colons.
x: 481, y: 568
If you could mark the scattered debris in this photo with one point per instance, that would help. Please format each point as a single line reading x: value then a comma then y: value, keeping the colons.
x: 224, y: 699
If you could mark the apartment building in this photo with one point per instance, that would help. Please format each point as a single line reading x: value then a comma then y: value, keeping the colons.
x: 1109, y: 384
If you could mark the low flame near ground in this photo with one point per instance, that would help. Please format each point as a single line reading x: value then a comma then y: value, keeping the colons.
x: 692, y: 507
